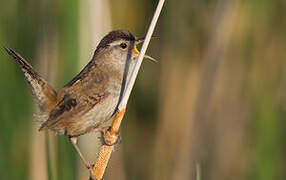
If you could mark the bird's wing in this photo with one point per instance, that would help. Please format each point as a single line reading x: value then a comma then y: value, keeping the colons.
x: 45, y: 95
x: 68, y: 106
x: 66, y: 117
x: 79, y: 96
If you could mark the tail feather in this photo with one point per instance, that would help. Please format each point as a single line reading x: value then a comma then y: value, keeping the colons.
x: 45, y: 95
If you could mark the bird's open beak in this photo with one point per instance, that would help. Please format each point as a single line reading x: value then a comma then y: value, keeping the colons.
x: 135, y: 50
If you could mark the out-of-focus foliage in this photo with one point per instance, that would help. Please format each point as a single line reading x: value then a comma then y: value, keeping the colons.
x: 215, y: 103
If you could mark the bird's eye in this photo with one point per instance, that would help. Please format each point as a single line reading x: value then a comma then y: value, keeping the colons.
x: 123, y: 45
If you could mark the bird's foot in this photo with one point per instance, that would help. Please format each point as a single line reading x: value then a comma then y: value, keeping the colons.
x: 109, y: 138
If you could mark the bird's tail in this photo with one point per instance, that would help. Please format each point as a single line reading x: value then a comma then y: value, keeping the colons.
x: 45, y: 95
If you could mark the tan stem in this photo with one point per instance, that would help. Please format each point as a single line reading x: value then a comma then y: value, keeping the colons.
x: 97, y: 171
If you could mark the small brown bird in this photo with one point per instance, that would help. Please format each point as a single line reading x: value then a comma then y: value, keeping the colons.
x: 91, y: 98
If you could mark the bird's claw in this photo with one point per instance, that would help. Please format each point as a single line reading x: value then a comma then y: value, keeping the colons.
x: 108, y: 138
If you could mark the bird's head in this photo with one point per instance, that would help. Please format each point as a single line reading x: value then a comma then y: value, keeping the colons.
x: 118, y: 46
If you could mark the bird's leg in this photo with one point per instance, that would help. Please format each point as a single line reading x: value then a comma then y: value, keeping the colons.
x: 73, y: 140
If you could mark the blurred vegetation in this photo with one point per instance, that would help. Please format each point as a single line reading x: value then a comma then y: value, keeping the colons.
x: 216, y: 99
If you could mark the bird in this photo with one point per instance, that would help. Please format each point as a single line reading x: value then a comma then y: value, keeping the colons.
x: 90, y: 100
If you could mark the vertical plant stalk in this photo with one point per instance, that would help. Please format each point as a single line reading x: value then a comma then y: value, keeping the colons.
x: 105, y: 151
x: 111, y: 135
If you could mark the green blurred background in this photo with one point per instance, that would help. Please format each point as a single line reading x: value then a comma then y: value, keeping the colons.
x: 212, y: 108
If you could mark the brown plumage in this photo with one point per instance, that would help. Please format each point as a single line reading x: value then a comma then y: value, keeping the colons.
x: 90, y: 99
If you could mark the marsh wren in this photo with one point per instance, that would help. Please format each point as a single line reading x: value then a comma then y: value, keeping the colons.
x: 90, y: 99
